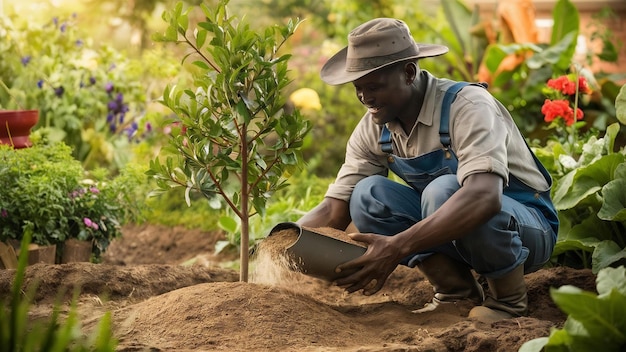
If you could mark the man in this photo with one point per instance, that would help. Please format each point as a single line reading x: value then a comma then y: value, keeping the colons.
x: 477, y: 198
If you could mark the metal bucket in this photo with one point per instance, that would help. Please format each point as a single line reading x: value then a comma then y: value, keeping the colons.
x: 318, y: 255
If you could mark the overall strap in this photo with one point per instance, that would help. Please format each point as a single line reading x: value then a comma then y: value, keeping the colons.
x: 444, y: 124
x: 385, y: 140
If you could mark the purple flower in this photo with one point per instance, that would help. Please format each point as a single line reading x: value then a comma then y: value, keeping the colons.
x: 59, y: 91
x: 55, y: 20
x: 110, y: 117
x: 112, y: 106
x: 119, y: 98
x: 148, y: 127
x: 25, y: 60
x: 4, y: 213
x: 79, y: 42
x: 94, y: 190
x: 108, y: 87
x: 92, y: 80
x: 40, y: 83
x: 63, y: 27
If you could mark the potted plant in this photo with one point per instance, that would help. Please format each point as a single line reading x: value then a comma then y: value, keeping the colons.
x: 45, y: 191
x: 99, y: 206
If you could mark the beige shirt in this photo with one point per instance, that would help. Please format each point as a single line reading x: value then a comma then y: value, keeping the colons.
x: 483, y: 133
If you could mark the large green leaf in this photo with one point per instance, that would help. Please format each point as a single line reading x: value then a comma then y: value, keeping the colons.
x: 611, y: 278
x: 583, y: 182
x: 606, y: 254
x: 614, y: 201
x: 566, y: 21
x: 604, y: 318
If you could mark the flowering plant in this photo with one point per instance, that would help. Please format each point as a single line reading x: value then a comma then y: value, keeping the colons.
x: 88, y: 95
x: 589, y: 174
x: 45, y: 190
x: 561, y: 108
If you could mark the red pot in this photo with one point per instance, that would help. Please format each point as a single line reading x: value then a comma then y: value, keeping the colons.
x: 15, y: 127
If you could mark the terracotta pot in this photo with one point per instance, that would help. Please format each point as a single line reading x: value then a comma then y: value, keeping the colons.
x: 15, y: 127
x: 76, y: 251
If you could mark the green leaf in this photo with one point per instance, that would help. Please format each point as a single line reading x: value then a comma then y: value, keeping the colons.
x: 604, y: 319
x: 228, y: 224
x: 611, y: 278
x: 606, y: 254
x: 203, y: 65
x: 200, y: 38
x: 566, y: 22
x: 242, y: 110
x: 535, y: 345
x: 620, y: 105
x: 554, y: 54
x: 614, y: 201
x: 577, y: 185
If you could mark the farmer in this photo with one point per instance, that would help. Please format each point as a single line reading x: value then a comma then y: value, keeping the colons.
x: 477, y: 198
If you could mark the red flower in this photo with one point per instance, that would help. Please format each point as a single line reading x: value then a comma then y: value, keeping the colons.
x: 553, y: 109
x: 567, y: 87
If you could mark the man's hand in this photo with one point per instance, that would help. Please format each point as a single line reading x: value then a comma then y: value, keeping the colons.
x: 373, y: 267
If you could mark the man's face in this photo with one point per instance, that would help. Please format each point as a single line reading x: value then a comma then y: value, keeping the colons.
x: 385, y: 93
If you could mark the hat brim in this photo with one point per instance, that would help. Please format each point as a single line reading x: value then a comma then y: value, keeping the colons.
x: 334, y: 70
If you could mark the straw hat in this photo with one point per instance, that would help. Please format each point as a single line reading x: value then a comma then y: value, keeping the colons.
x: 373, y: 45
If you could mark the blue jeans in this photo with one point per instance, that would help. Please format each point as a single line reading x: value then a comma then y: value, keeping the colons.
x: 517, y: 235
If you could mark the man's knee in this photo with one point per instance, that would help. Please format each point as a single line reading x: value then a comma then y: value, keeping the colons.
x: 438, y: 192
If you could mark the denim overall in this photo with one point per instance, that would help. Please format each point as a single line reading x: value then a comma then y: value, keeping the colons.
x: 421, y: 171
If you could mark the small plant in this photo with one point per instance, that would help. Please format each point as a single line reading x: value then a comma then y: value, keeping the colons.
x: 595, y: 322
x: 232, y: 140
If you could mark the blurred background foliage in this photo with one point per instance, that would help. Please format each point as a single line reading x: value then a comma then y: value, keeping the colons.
x: 477, y: 52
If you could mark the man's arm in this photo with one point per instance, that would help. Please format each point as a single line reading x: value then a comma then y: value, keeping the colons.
x: 331, y: 212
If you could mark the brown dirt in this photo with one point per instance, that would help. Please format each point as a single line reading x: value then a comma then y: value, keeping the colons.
x: 157, y: 304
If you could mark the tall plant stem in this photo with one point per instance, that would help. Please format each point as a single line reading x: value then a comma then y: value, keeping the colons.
x: 245, y: 215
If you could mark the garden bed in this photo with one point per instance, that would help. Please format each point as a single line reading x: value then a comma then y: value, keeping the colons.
x: 159, y: 305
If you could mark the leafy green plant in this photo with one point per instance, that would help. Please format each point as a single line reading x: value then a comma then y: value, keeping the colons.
x: 46, y: 191
x: 88, y: 96
x: 35, y: 185
x: 18, y: 334
x: 232, y: 140
x: 595, y: 322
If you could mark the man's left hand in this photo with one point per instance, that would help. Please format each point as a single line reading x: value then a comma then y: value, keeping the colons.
x: 373, y: 267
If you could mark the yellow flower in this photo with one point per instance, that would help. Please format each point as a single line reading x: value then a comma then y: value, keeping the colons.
x: 306, y: 98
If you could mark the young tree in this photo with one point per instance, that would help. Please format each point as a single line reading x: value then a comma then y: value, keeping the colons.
x: 232, y: 138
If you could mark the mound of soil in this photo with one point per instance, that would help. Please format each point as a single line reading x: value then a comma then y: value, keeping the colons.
x: 166, y: 291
